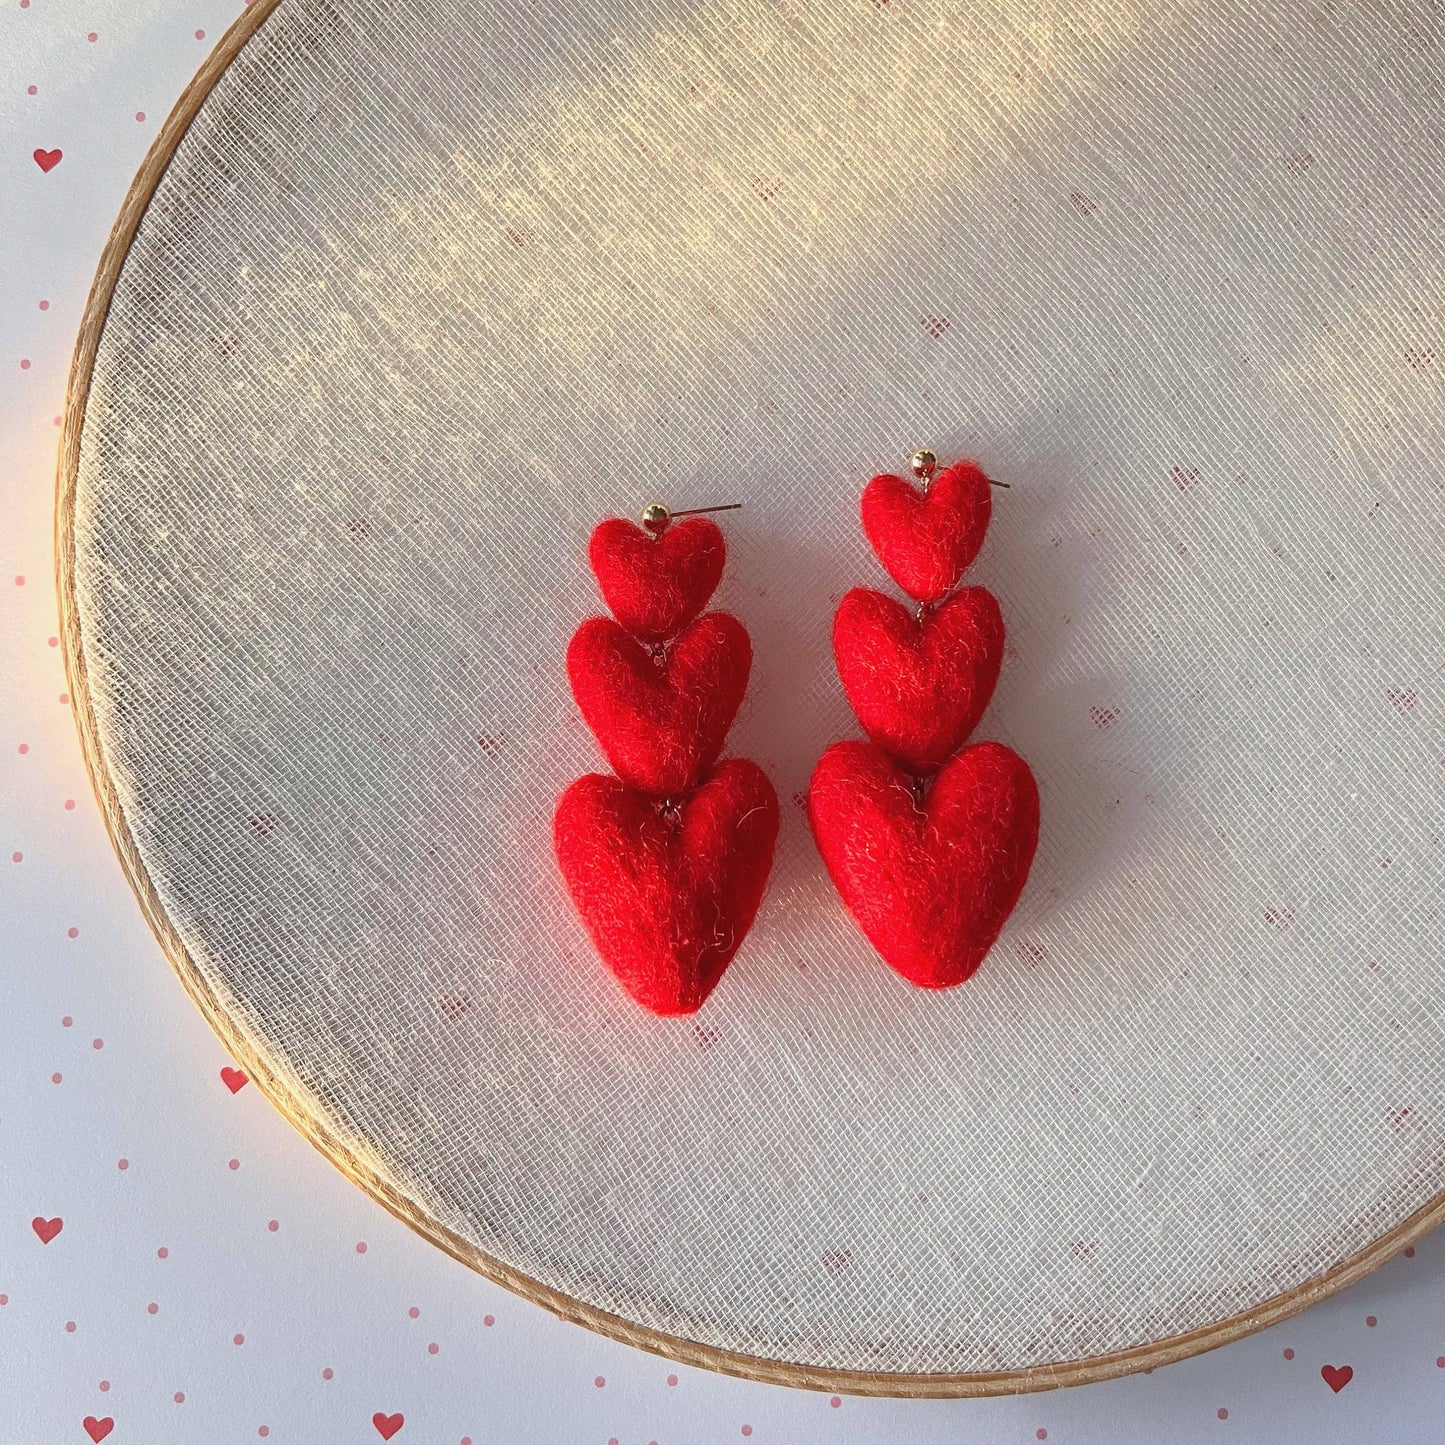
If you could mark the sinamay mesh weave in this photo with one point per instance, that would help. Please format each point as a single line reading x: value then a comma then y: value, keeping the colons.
x: 431, y: 287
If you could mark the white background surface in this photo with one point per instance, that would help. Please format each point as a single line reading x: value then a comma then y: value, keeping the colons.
x: 114, y: 1117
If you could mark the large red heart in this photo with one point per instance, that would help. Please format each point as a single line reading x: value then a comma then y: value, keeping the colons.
x: 660, y: 716
x: 926, y: 539
x: 97, y: 1429
x: 47, y: 1229
x: 666, y: 893
x: 654, y: 585
x: 387, y: 1425
x: 48, y: 160
x: 930, y: 879
x: 918, y: 687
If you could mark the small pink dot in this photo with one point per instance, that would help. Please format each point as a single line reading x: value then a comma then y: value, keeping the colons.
x: 72, y: 933
x: 263, y: 1431
x: 1041, y: 1434
x: 834, y: 1401
x: 327, y: 1373
x: 66, y: 1022
x: 70, y: 1327
x: 1440, y: 1362
x: 179, y: 1397
x: 163, y: 1253
x: 17, y: 857
x: 122, y: 1164
x: 361, y: 1246
x: 1371, y: 1321
x: 489, y: 1320
x: 44, y: 305
x: 24, y: 363
x: 600, y: 1381
x: 20, y: 581
x: 413, y: 1312
x: 54, y: 421
x: 747, y: 1429
x: 1410, y: 1252
x: 65, y: 702
x: 1223, y: 1414
x: 1289, y: 1354
x: 200, y: 35
x: 104, y: 1385
x: 24, y: 748
x: 672, y: 1379
x: 70, y: 805
x: 153, y: 1308
x: 238, y: 1339
x: 273, y: 1225
x: 466, y: 1440
x: 97, y: 1043
x: 4, y: 1300
x: 55, y: 1078
x: 140, y: 115
x: 24, y: 4
x: 233, y: 1164
x: 433, y: 1348
x: 30, y: 90
x: 92, y: 37
x: 52, y: 642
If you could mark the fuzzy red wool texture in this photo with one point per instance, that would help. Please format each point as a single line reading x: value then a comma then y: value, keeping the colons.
x: 929, y: 866
x: 667, y: 862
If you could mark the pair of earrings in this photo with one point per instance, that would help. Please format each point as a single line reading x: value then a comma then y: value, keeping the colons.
x: 928, y: 841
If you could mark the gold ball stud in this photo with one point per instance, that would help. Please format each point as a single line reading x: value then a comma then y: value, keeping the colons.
x: 655, y: 517
x: 923, y: 463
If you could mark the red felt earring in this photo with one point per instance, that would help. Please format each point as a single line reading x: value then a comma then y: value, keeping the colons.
x: 666, y: 863
x: 930, y: 871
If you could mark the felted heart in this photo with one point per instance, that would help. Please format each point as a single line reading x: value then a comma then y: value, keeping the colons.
x: 918, y: 687
x: 654, y: 585
x: 668, y: 894
x: 930, y: 879
x: 660, y: 715
x: 926, y: 540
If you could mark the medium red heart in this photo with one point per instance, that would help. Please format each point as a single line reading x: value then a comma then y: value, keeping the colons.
x: 47, y: 1229
x: 926, y: 540
x: 48, y: 160
x: 668, y: 894
x: 387, y: 1425
x: 98, y: 1429
x: 654, y: 585
x: 931, y: 880
x: 918, y: 687
x: 234, y: 1079
x: 660, y: 716
x: 1337, y: 1376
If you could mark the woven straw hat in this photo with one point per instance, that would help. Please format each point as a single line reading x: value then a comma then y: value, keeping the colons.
x: 409, y: 295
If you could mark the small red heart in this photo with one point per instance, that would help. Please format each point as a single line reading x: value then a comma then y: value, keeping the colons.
x: 387, y: 1425
x: 48, y: 160
x: 47, y: 1229
x: 1337, y: 1376
x: 931, y: 879
x: 98, y: 1429
x: 661, y: 717
x: 233, y: 1079
x: 926, y: 540
x: 918, y: 687
x: 668, y: 894
x: 655, y: 584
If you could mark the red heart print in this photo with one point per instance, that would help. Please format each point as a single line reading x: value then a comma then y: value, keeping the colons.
x: 98, y: 1429
x: 661, y: 717
x: 926, y: 540
x: 930, y: 879
x: 387, y: 1425
x: 918, y: 687
x: 47, y: 1229
x: 1337, y: 1376
x: 48, y: 160
x: 655, y: 584
x: 668, y: 894
x: 234, y: 1079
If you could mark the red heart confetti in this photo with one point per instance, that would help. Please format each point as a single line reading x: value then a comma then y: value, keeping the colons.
x: 48, y: 160
x: 98, y: 1429
x: 387, y: 1425
x: 234, y: 1079
x: 1337, y: 1376
x: 47, y: 1229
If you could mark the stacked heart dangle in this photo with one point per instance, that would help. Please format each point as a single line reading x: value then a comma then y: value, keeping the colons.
x: 666, y: 862
x: 928, y: 841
